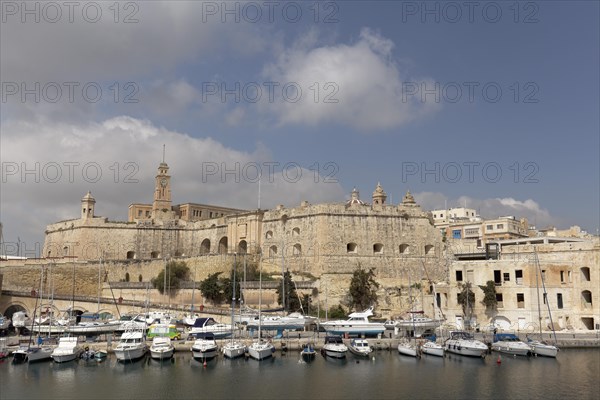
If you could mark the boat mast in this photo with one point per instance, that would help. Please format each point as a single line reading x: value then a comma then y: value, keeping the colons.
x: 546, y: 295
x: 233, y: 295
x: 537, y: 285
x: 259, y: 297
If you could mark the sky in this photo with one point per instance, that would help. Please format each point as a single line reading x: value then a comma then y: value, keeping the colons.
x: 492, y: 105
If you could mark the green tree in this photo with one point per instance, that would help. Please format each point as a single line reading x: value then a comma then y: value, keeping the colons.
x: 336, y: 312
x: 363, y: 288
x: 489, y: 295
x: 466, y: 298
x: 177, y: 271
x: 212, y: 288
x: 292, y: 303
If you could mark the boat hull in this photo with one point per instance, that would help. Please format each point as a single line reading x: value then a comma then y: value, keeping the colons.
x: 130, y: 354
x: 208, y: 354
x: 511, y: 349
x: 260, y: 352
x: 62, y: 358
x: 466, y: 350
x: 234, y: 350
x: 432, y: 349
x: 162, y: 354
x: 33, y: 354
x: 545, y: 350
x: 408, y: 350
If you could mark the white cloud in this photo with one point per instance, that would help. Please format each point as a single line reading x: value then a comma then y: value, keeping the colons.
x: 127, y: 151
x: 357, y: 84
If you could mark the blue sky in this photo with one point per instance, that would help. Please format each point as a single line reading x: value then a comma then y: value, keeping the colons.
x: 401, y: 78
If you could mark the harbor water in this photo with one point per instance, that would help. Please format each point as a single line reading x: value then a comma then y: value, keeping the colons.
x: 387, y: 375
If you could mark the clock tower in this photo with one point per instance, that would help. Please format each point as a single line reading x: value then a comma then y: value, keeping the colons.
x: 162, y: 192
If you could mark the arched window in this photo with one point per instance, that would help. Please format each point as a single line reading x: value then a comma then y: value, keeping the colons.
x: 586, y: 297
x: 154, y: 254
x: 378, y: 248
x: 297, y: 250
x: 223, y: 245
x: 242, y: 247
x: 66, y: 251
x: 351, y: 248
x: 296, y: 232
x: 404, y: 248
x: 131, y: 255
x: 272, y: 251
x: 205, y: 247
x: 428, y: 249
x: 269, y: 235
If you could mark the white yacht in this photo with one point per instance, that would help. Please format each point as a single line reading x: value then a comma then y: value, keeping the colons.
x: 416, y: 325
x: 205, y: 349
x: 432, y: 349
x: 261, y: 349
x: 161, y: 348
x: 33, y: 353
x: 234, y: 349
x: 132, y: 345
x: 21, y: 320
x: 360, y: 347
x: 207, y: 327
x: 357, y: 324
x: 68, y: 350
x: 510, y: 344
x: 463, y: 343
x: 540, y: 348
x: 409, y: 348
x: 334, y: 347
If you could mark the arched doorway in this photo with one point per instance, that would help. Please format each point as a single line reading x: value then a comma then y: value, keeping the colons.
x: 223, y: 245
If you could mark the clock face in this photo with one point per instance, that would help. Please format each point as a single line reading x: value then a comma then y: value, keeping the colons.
x: 163, y: 182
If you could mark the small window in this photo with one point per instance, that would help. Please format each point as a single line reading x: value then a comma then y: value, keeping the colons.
x: 499, y: 300
x: 456, y: 234
x: 351, y: 248
x: 428, y: 249
x: 520, y: 300
x: 272, y: 251
x: 296, y: 232
x: 478, y: 243
x: 559, y: 300
x: 139, y: 213
x: 297, y: 249
x: 506, y: 277
x: 489, y: 227
x: 499, y: 226
x: 519, y: 276
x: 131, y: 255
x: 154, y: 254
x: 269, y: 235
x: 459, y: 276
x: 378, y: 248
x: 403, y: 249
x: 562, y: 276
x: 585, y: 274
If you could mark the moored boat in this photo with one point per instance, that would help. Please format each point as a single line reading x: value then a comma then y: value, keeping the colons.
x: 409, y: 348
x: 68, y: 350
x: 540, y: 348
x: 208, y: 327
x: 33, y: 354
x: 261, y: 349
x: 360, y: 347
x: 205, y: 349
x: 464, y: 344
x: 510, y: 344
x: 132, y: 345
x: 308, y: 352
x: 357, y: 324
x: 334, y: 347
x: 432, y: 349
x: 161, y: 348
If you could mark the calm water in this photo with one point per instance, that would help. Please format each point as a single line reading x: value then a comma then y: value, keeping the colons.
x: 575, y: 374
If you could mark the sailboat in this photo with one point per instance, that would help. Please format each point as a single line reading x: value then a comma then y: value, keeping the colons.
x: 233, y: 348
x: 408, y: 347
x: 260, y: 349
x: 539, y: 347
x: 31, y: 353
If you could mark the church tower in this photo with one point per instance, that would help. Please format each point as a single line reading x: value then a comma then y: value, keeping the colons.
x: 87, y: 206
x: 162, y: 191
x: 379, y: 197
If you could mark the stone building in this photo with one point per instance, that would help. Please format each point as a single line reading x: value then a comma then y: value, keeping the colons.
x: 322, y: 241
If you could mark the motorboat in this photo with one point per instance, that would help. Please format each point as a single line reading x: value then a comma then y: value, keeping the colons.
x: 205, y: 349
x: 409, y: 348
x: 234, y: 349
x: 261, y: 349
x: 131, y: 322
x: 132, y: 345
x: 360, y: 347
x: 541, y: 348
x: 292, y: 322
x: 432, y: 349
x: 94, y: 327
x: 357, y: 324
x: 163, y: 330
x: 464, y: 344
x: 334, y: 347
x: 207, y: 327
x: 510, y: 344
x: 161, y: 348
x: 308, y: 352
x: 415, y: 325
x: 161, y: 317
x: 33, y: 354
x: 68, y: 350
